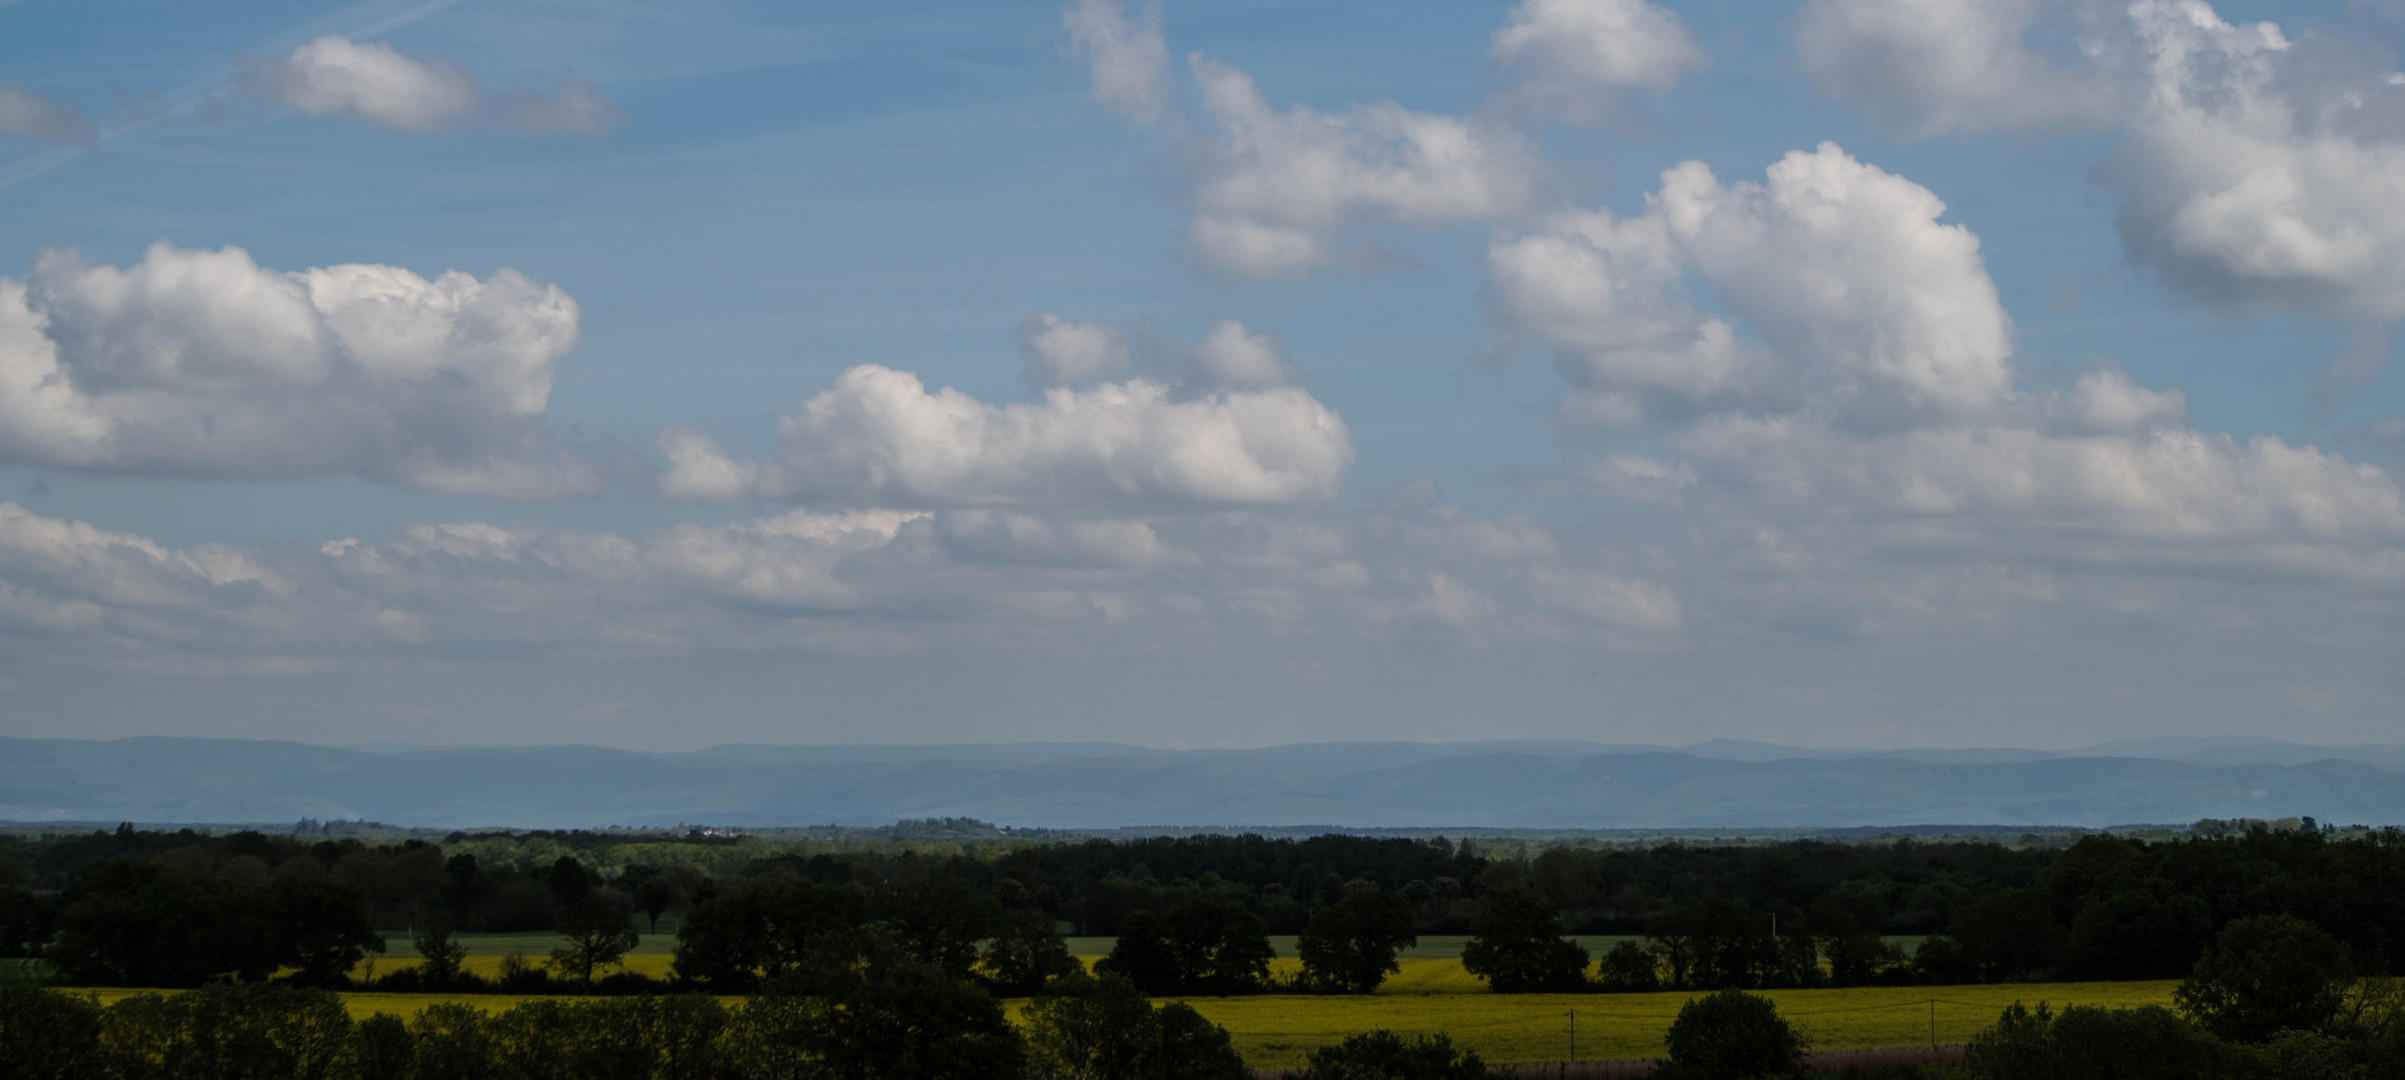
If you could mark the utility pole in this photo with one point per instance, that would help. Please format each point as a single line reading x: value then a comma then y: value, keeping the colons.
x: 1933, y: 1028
x: 1573, y: 1034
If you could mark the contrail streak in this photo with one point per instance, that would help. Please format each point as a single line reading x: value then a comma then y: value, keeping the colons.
x: 186, y: 98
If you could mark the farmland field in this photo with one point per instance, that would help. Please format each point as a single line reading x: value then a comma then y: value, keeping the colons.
x: 1274, y: 1031
x: 1278, y: 1030
x: 1433, y: 995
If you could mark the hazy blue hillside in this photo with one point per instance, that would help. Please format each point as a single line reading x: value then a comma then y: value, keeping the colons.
x: 1548, y: 784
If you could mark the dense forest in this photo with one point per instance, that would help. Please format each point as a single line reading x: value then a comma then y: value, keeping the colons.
x: 138, y: 907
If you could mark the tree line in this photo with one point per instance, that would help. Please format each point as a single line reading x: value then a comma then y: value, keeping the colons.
x: 1192, y: 914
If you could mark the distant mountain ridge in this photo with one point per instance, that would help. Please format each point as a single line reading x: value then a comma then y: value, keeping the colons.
x: 1515, y: 784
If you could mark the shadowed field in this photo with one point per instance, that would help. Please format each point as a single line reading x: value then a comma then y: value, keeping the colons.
x: 1436, y: 996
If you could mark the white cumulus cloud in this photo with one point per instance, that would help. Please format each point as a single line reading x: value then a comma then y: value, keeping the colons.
x: 204, y: 364
x: 1272, y: 190
x: 1926, y: 67
x: 1578, y: 59
x: 1067, y: 352
x: 880, y: 436
x: 373, y: 82
x: 1127, y: 58
x: 1233, y: 355
x: 2242, y: 192
x: 1834, y: 263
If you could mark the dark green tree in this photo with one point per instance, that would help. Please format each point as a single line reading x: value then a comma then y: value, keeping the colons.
x: 569, y: 880
x: 2145, y: 1043
x: 46, y: 1035
x: 1351, y: 945
x: 1023, y: 954
x: 2267, y: 974
x: 599, y: 932
x: 445, y: 958
x: 2008, y: 934
x: 1518, y: 948
x: 883, y: 1015
x: 132, y: 924
x: 1193, y: 1048
x: 234, y: 1032
x: 2019, y: 1046
x: 456, y: 1041
x: 1220, y: 947
x: 1090, y: 1029
x: 1384, y: 1055
x: 325, y: 929
x: 732, y: 942
x: 1731, y: 1035
x: 655, y: 894
x: 1142, y: 955
x: 383, y: 1049
x: 1629, y: 968
x: 1104, y: 1029
x: 938, y: 920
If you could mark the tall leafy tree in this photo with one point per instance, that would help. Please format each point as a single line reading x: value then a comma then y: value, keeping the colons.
x: 1142, y: 954
x: 325, y: 929
x: 939, y: 920
x: 1518, y: 948
x: 2267, y: 974
x: 599, y: 932
x: 1220, y: 947
x: 1352, y: 945
x: 1024, y: 953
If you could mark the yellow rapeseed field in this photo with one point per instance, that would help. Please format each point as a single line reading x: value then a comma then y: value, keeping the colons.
x: 1276, y: 1031
x: 1436, y: 994
x: 1433, y: 995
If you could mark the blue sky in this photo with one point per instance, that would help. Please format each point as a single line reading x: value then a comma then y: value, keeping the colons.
x: 1987, y: 372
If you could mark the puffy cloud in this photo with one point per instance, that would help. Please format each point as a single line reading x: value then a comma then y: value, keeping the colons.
x: 1127, y: 59
x: 879, y: 436
x: 2168, y: 499
x: 335, y: 76
x: 2258, y: 172
x: 1066, y: 352
x: 2252, y: 177
x: 1917, y: 68
x: 1830, y: 260
x: 2106, y: 401
x: 1273, y: 189
x: 1577, y: 59
x: 23, y: 112
x: 204, y: 364
x: 1233, y: 356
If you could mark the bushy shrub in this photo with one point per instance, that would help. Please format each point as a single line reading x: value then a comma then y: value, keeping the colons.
x: 383, y: 1049
x: 1384, y: 1055
x: 1731, y: 1035
x: 2086, y: 1042
x: 254, y: 1031
x: 45, y: 1035
x: 2264, y: 975
x: 1629, y: 968
x: 1105, y: 1029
